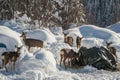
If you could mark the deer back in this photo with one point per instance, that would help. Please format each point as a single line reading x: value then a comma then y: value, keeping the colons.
x: 34, y: 43
x: 64, y: 52
x: 69, y: 53
x: 13, y: 56
x: 5, y: 57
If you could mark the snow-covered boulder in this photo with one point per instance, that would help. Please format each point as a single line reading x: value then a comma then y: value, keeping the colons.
x: 9, y: 37
x: 89, y: 31
x: 42, y: 34
x: 42, y: 60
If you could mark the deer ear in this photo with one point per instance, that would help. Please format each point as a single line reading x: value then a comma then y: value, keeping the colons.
x: 24, y: 32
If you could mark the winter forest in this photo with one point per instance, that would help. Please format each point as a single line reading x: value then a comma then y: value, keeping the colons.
x: 62, y: 12
x: 59, y: 39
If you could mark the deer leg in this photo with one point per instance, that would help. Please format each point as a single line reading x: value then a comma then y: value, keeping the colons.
x: 3, y: 64
x: 28, y: 48
x: 70, y: 62
x: 11, y: 66
x: 64, y: 62
x: 14, y: 66
x: 61, y: 59
x: 6, y: 68
x: 78, y: 46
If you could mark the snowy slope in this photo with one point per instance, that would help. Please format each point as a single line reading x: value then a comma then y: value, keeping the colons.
x: 10, y: 38
x: 43, y: 64
x: 115, y: 27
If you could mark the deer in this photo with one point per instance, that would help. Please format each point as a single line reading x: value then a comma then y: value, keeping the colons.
x: 68, y: 39
x: 68, y: 54
x: 10, y: 57
x: 31, y: 42
x: 111, y: 49
x: 78, y: 41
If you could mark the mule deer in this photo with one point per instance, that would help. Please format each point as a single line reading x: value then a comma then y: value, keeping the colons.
x: 11, y: 57
x: 68, y: 39
x: 111, y: 49
x: 67, y: 54
x: 78, y: 41
x: 31, y: 42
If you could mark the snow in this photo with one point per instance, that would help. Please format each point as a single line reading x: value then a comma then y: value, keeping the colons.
x: 100, y: 34
x: 44, y: 35
x: 43, y: 63
x: 10, y: 38
x: 115, y: 27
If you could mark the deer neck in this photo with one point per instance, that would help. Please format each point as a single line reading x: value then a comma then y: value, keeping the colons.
x: 18, y: 54
x: 108, y: 46
x: 24, y: 38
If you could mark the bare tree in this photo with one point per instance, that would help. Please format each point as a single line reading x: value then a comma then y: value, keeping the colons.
x: 71, y: 11
x: 47, y: 12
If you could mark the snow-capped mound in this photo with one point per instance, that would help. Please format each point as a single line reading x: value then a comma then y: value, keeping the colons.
x: 92, y: 31
x: 9, y: 37
x: 74, y: 32
x: 42, y: 34
x: 47, y: 58
x: 43, y: 60
x: 91, y: 42
x: 56, y: 30
x: 115, y: 27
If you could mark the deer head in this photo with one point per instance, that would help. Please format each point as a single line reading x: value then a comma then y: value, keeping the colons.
x: 108, y: 44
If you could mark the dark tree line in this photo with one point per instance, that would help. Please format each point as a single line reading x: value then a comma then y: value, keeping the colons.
x: 47, y: 12
x: 102, y: 12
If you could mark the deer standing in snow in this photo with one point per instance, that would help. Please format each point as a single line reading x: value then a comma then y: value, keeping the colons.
x: 78, y: 41
x: 31, y: 42
x: 68, y: 39
x: 10, y: 56
x: 111, y: 49
x: 68, y: 54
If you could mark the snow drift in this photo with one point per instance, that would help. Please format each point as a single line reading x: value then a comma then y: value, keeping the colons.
x: 115, y: 27
x: 43, y: 63
x: 10, y: 38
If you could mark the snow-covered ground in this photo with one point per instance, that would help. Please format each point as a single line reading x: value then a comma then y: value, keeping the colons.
x: 115, y: 27
x: 43, y: 63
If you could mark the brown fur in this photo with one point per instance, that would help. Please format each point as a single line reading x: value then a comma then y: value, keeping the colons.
x: 111, y: 49
x: 78, y: 41
x: 67, y: 54
x: 68, y: 39
x: 10, y: 57
x: 31, y: 42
